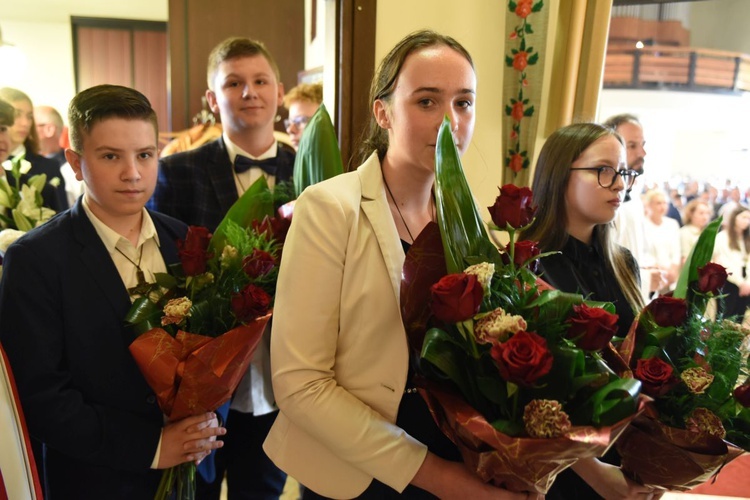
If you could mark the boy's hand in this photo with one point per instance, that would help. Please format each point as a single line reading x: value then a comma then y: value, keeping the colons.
x: 189, y: 439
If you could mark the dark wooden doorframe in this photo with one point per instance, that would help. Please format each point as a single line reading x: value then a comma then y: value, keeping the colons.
x: 355, y: 35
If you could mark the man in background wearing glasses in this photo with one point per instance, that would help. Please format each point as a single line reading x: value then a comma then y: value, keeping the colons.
x: 630, y: 220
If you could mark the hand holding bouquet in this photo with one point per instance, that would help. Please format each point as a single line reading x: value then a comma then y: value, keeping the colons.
x: 200, y: 324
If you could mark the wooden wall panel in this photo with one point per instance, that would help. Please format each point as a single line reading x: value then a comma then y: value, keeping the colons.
x: 150, y: 70
x: 196, y: 26
x: 103, y: 57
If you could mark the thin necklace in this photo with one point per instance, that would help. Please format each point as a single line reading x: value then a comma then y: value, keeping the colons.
x: 142, y: 287
x: 395, y: 203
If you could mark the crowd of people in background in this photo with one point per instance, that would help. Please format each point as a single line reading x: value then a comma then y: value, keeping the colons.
x: 677, y: 213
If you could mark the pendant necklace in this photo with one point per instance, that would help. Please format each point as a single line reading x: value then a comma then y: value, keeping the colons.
x: 142, y: 288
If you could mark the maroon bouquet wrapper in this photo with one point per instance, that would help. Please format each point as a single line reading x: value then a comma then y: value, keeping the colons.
x: 193, y: 374
x: 514, y: 463
x: 661, y: 456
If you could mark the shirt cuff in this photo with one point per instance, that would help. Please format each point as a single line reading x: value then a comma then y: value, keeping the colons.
x: 155, y: 461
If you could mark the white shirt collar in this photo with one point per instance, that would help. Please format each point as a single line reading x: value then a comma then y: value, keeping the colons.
x: 233, y: 150
x: 110, y: 237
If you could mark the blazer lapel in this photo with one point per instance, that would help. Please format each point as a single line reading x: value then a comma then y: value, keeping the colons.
x: 95, y: 258
x: 221, y: 173
x: 375, y: 206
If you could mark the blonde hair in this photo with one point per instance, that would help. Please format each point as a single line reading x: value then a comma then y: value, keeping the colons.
x: 306, y: 92
x: 690, y: 209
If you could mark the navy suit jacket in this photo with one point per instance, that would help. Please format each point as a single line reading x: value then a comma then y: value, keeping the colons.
x: 198, y: 187
x: 62, y: 305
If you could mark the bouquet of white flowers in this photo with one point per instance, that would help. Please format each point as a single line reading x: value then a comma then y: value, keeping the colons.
x: 21, y: 203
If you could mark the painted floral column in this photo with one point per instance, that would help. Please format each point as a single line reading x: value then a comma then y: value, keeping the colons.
x: 526, y: 25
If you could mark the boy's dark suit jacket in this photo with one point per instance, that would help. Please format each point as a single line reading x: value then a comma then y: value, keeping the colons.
x: 62, y: 304
x: 197, y: 186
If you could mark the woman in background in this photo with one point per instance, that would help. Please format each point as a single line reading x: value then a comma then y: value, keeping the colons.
x: 25, y: 141
x: 351, y: 423
x: 579, y: 183
x: 731, y: 251
x: 697, y: 216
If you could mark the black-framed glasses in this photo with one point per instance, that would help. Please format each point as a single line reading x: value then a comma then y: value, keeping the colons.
x: 298, y: 121
x: 608, y: 175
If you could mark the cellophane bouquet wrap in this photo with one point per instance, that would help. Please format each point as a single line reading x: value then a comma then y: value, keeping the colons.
x: 200, y: 323
x: 521, y: 377
x: 695, y: 369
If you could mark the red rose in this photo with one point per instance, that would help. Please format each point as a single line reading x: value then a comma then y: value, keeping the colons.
x: 591, y: 328
x: 516, y: 163
x: 524, y: 250
x: 517, y: 111
x: 456, y: 297
x: 742, y: 394
x: 520, y: 61
x: 523, y: 359
x: 273, y: 227
x: 656, y: 375
x: 513, y: 207
x: 711, y: 278
x: 193, y: 250
x: 258, y: 264
x: 251, y: 303
x: 668, y: 311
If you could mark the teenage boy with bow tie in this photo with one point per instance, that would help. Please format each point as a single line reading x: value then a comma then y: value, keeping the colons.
x: 198, y: 187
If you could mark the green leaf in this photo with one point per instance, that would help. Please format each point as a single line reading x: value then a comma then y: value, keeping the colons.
x: 447, y: 354
x: 255, y: 204
x: 533, y: 59
x: 318, y: 157
x: 143, y: 310
x: 512, y: 6
x: 699, y: 256
x: 508, y: 427
x: 527, y: 29
x: 614, y: 401
x: 537, y: 6
x: 494, y: 389
x: 508, y: 61
x: 461, y: 228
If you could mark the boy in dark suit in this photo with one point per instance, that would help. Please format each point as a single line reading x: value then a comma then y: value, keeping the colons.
x: 198, y: 187
x: 65, y: 291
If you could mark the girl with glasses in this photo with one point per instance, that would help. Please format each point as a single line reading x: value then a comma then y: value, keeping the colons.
x: 580, y: 180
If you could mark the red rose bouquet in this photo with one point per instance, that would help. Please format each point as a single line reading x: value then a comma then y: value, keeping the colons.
x: 693, y: 367
x: 515, y: 373
x: 200, y: 323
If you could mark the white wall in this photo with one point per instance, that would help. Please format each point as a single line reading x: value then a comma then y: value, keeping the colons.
x: 41, y: 30
x: 480, y: 29
x: 698, y: 135
x: 720, y: 24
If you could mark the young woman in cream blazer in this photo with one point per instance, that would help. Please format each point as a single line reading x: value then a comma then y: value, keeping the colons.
x: 339, y: 353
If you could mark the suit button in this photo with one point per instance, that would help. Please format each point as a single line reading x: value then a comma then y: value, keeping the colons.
x: 151, y: 399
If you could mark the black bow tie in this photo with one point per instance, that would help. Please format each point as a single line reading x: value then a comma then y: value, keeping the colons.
x: 243, y: 164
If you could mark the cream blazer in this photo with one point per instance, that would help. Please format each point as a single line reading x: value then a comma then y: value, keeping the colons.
x: 339, y: 356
